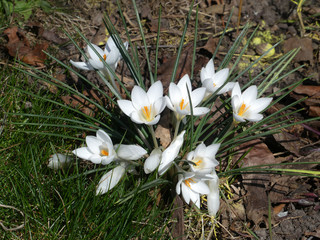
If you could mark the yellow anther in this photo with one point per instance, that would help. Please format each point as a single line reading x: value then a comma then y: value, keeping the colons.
x: 104, y: 57
x: 243, y: 109
x: 182, y: 105
x: 187, y: 182
x: 104, y: 152
x: 147, y: 112
x: 197, y: 163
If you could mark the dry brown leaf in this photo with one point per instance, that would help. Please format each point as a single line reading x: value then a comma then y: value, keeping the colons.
x: 288, y: 141
x: 18, y: 46
x: 306, y: 52
x: 163, y: 129
x: 256, y: 201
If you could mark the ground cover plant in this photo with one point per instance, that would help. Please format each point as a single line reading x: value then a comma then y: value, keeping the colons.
x: 119, y: 172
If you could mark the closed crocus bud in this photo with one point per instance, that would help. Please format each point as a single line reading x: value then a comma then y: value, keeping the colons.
x: 152, y: 162
x: 213, y: 200
x: 59, y: 161
x: 110, y: 179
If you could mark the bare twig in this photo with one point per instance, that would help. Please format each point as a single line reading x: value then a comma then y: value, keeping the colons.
x: 14, y: 228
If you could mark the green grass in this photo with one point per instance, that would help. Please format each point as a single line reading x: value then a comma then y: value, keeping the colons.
x: 61, y: 204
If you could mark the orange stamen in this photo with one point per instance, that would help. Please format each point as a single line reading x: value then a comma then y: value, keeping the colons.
x: 146, y: 112
x: 187, y: 182
x: 243, y: 109
x: 104, y: 152
x: 104, y: 57
x: 182, y: 106
x: 197, y: 163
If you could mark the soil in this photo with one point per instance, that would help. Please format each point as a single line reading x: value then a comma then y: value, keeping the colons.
x: 294, y: 200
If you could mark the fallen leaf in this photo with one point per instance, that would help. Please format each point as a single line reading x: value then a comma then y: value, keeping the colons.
x: 256, y: 200
x: 306, y: 52
x: 163, y: 129
x: 288, y: 141
x: 18, y: 46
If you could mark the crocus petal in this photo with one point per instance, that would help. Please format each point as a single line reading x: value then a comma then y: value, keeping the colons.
x: 250, y: 94
x: 174, y: 94
x: 139, y: 98
x: 210, y: 68
x: 195, y: 198
x: 82, y: 65
x: 238, y: 118
x: 93, y: 144
x: 226, y: 88
x: 184, y: 85
x: 152, y: 162
x: 212, y: 150
x: 185, y: 192
x: 207, y: 83
x: 103, y: 136
x: 169, y: 103
x: 126, y: 107
x: 130, y: 152
x: 198, y: 111
x: 236, y: 91
x: 213, y: 201
x: 155, y: 92
x: 255, y: 117
x: 197, y: 96
x: 83, y: 153
x: 110, y: 179
x: 159, y: 105
x: 260, y: 104
x: 221, y: 76
x: 170, y: 153
x: 97, y: 64
x: 92, y: 54
x: 199, y: 187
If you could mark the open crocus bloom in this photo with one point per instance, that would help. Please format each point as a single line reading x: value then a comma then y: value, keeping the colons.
x: 246, y: 106
x: 170, y: 153
x: 110, y: 54
x: 213, y: 201
x: 144, y: 107
x: 192, y: 185
x: 212, y: 80
x: 110, y: 179
x: 178, y: 100
x: 100, y: 150
x: 203, y: 158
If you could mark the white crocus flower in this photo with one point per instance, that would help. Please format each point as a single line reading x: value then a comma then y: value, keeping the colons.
x: 100, y: 150
x: 246, y: 106
x: 178, y: 100
x: 203, y: 158
x: 110, y: 179
x: 152, y: 162
x: 110, y: 54
x: 59, y: 161
x: 212, y: 80
x: 213, y: 202
x: 170, y: 153
x: 192, y: 185
x: 144, y: 107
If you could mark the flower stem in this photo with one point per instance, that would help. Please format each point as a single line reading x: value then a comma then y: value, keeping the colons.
x: 153, y: 136
x: 177, y: 128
